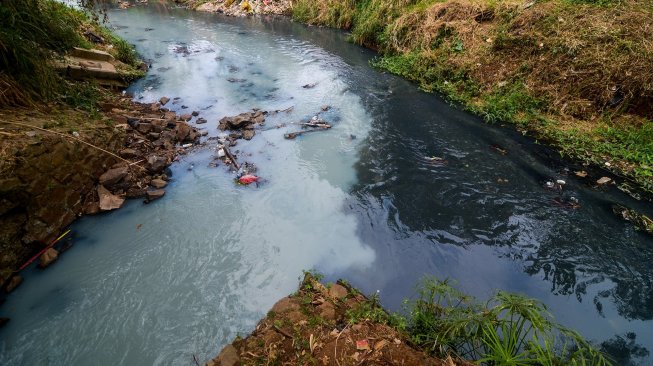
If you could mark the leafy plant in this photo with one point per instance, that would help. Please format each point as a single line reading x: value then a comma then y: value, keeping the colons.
x: 509, y: 329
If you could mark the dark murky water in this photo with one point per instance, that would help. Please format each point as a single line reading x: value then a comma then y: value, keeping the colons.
x: 211, y: 258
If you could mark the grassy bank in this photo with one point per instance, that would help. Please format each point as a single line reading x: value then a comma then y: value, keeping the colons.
x: 575, y: 73
x: 36, y: 33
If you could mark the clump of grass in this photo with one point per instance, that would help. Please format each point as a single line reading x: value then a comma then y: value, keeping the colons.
x: 32, y: 33
x: 332, y: 13
x: 122, y: 50
x: 508, y: 329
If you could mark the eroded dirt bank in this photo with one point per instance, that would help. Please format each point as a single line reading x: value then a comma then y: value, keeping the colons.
x: 60, y: 163
x: 325, y: 325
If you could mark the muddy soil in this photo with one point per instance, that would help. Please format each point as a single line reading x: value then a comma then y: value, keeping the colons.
x: 325, y: 325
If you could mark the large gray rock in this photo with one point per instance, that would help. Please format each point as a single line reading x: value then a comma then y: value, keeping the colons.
x: 113, y: 176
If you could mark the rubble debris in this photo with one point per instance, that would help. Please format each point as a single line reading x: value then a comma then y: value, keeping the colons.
x: 640, y: 221
x: 603, y: 181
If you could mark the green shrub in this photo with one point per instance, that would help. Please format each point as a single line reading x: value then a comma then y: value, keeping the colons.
x: 509, y: 329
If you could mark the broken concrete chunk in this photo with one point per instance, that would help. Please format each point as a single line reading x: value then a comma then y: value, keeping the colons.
x: 603, y: 180
x: 113, y: 176
x: 108, y: 200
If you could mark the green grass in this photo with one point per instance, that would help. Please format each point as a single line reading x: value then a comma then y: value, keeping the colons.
x: 508, y: 329
x: 33, y: 34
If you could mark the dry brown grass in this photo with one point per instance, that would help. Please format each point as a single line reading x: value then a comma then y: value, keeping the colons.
x: 582, y: 59
x: 11, y: 94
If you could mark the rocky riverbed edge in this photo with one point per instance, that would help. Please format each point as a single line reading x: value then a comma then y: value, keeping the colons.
x: 61, y: 165
x: 331, y: 324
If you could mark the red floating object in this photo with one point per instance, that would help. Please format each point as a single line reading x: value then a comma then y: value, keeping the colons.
x: 248, y: 179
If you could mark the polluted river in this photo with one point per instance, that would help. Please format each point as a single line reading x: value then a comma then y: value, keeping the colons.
x: 402, y: 186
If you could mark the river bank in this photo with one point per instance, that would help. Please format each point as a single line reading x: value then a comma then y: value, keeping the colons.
x: 68, y: 146
x: 63, y: 163
x: 570, y: 74
x: 335, y: 324
x: 326, y: 325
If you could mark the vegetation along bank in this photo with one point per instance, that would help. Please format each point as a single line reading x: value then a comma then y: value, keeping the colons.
x: 68, y: 144
x: 337, y: 325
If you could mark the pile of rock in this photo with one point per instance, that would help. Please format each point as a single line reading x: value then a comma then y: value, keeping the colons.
x: 152, y: 136
x: 242, y: 125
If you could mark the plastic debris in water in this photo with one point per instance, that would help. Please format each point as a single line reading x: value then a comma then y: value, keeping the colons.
x: 248, y: 179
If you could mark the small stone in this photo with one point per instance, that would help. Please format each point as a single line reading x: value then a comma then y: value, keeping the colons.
x: 144, y: 127
x: 603, y: 180
x: 186, y: 117
x: 153, y: 136
x: 164, y: 100
x: 158, y: 183
x: 154, y: 194
x: 195, y: 113
x: 325, y: 108
x: 48, y: 257
x: 128, y: 153
x: 13, y: 283
x: 200, y: 121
